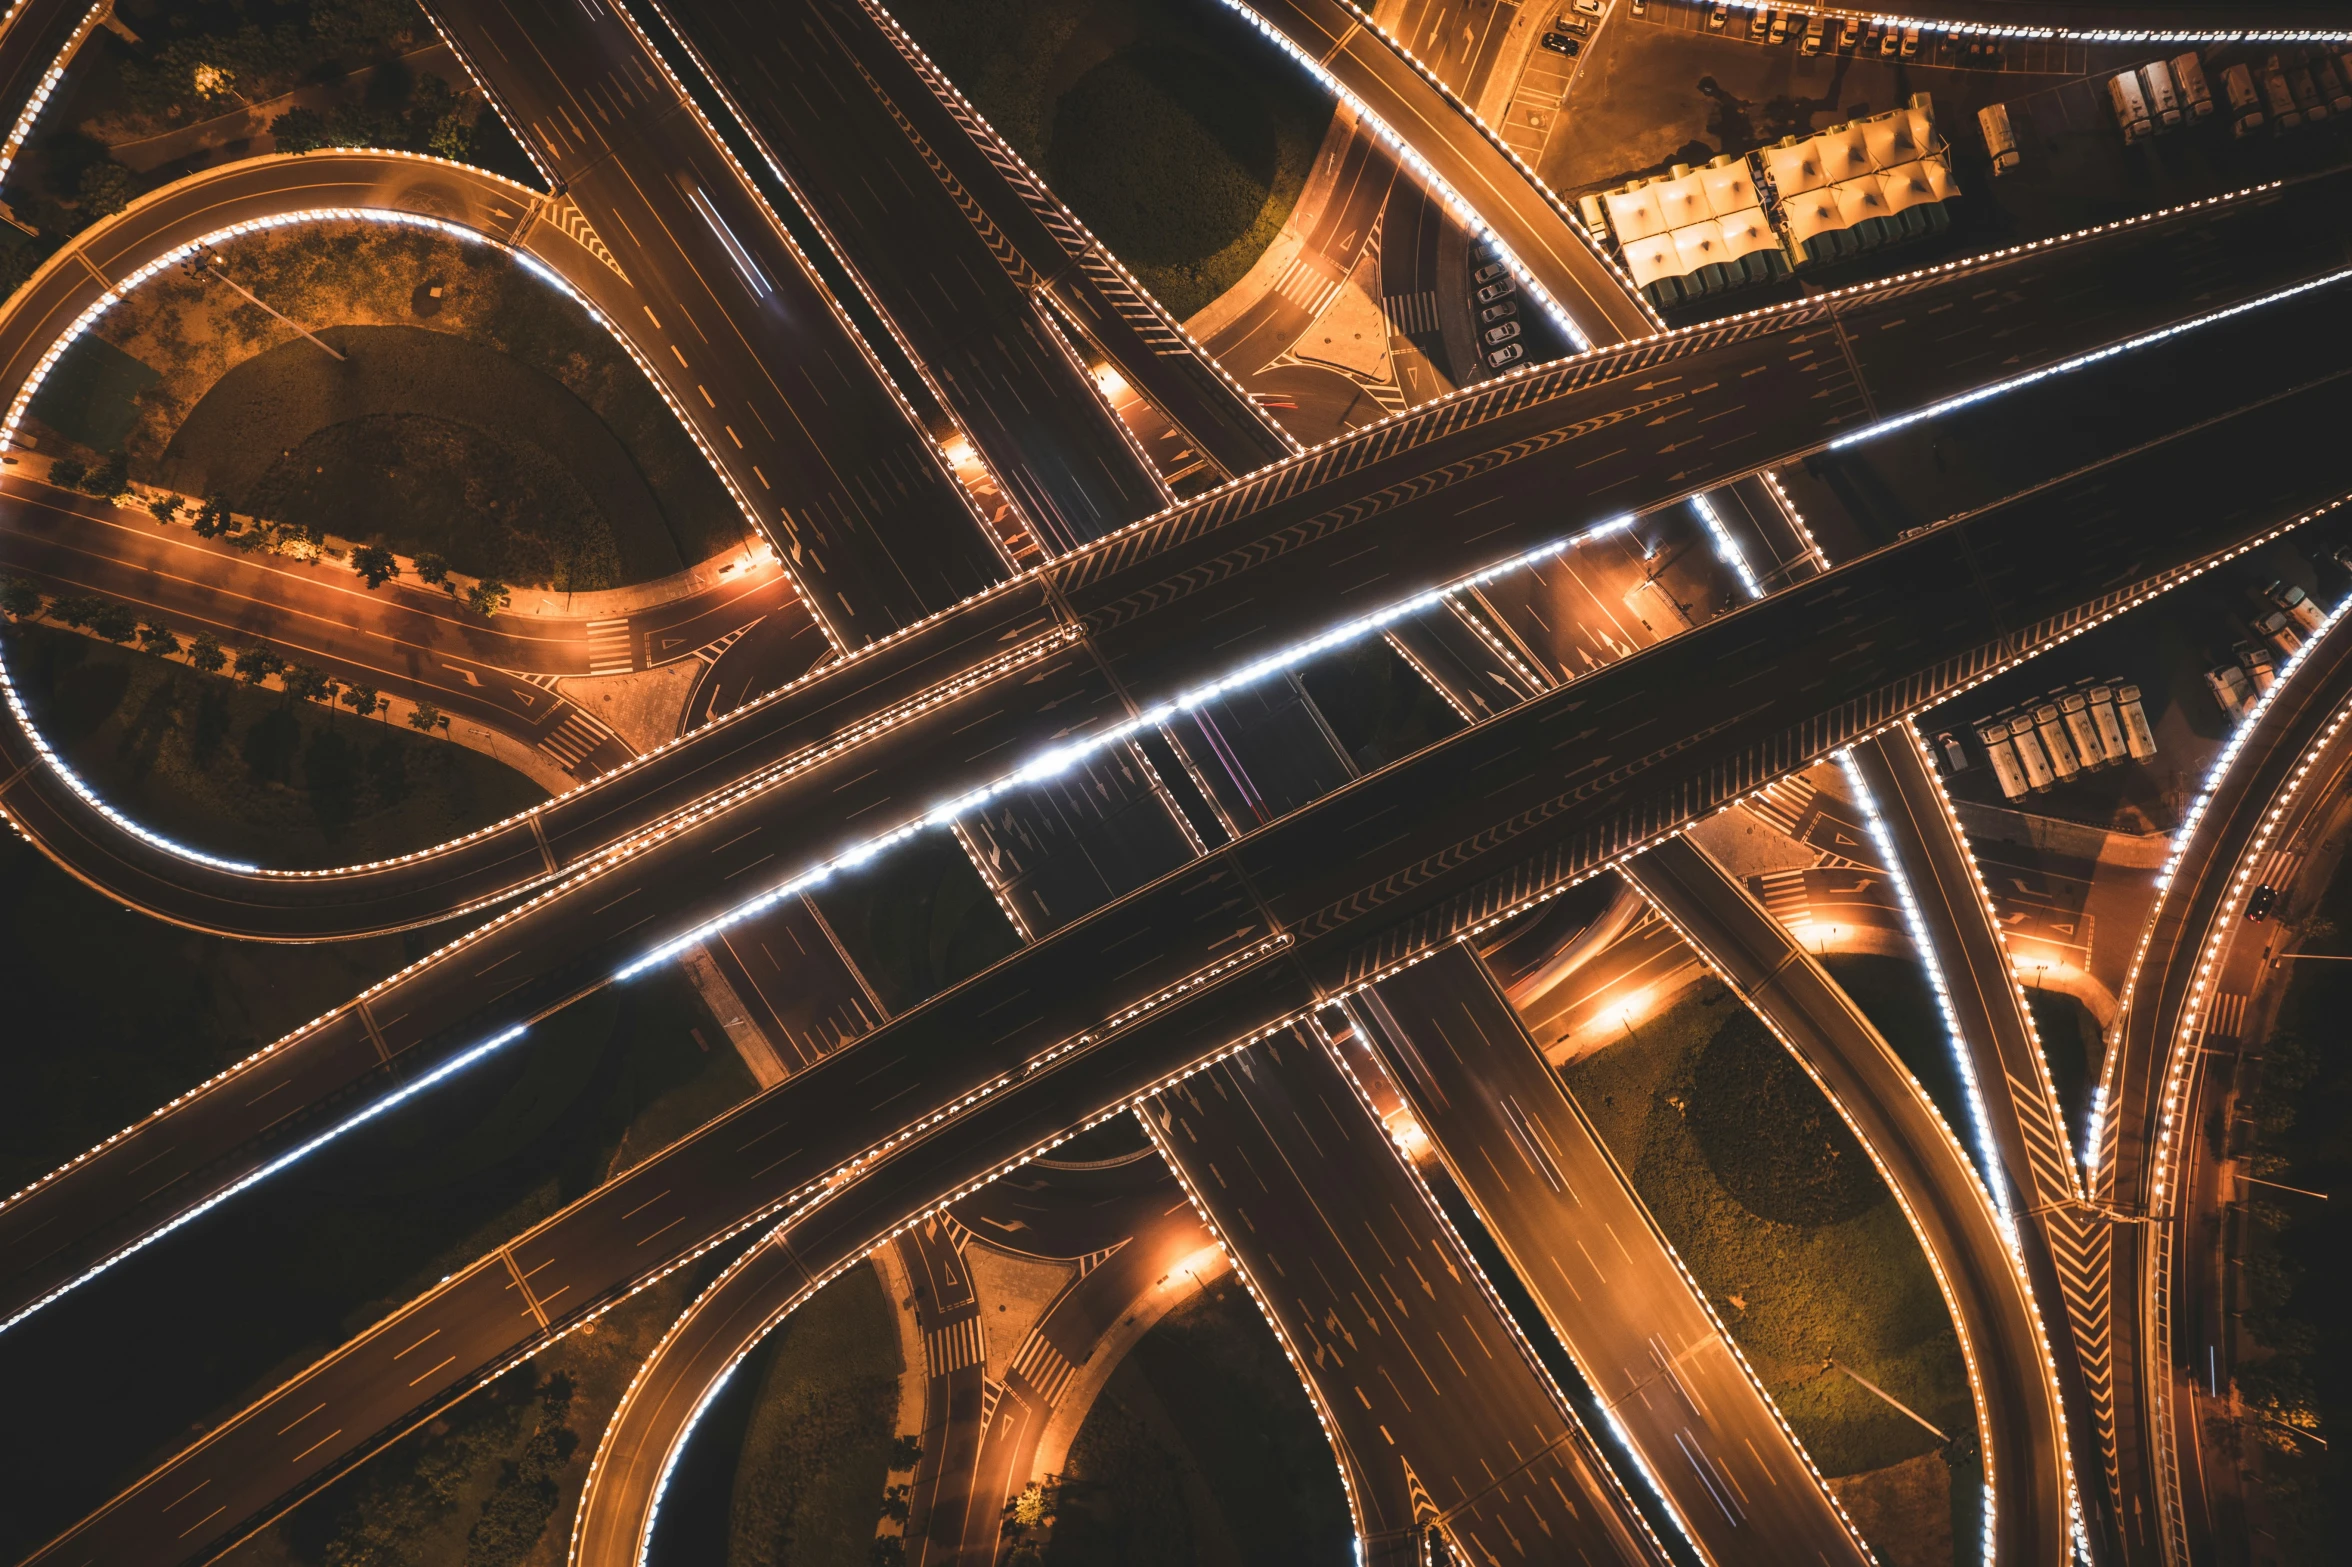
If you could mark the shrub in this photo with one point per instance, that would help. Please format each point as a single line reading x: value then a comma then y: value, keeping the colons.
x: 19, y: 599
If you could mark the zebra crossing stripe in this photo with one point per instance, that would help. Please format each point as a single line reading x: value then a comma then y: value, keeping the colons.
x: 609, y: 647
x: 572, y: 741
x: 955, y: 1346
x: 1044, y: 1368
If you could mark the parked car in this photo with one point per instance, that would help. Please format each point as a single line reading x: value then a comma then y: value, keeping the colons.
x: 1853, y: 33
x: 1720, y: 19
x: 1910, y: 42
x: 1502, y: 356
x: 1592, y: 7
x: 1503, y: 333
x: 1494, y: 291
x: 1759, y: 24
x: 1887, y: 42
x: 1502, y: 312
x: 1561, y: 43
x: 1489, y: 272
x: 1814, y: 29
x: 1780, y: 27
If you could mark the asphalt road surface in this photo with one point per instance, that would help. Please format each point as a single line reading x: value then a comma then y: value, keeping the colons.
x: 2021, y: 1421
x: 1604, y: 1275
x: 1363, y: 523
x: 2188, y: 993
x: 1441, y: 1413
x: 806, y: 77
x: 1244, y: 940
x: 737, y: 328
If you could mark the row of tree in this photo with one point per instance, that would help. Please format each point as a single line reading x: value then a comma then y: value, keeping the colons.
x: 211, y: 518
x: 254, y: 665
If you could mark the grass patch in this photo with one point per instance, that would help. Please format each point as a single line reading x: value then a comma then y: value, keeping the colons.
x: 917, y: 920
x: 1171, y: 127
x: 1851, y: 1284
x: 2072, y: 1044
x: 1893, y: 993
x: 1202, y: 1446
x: 250, y: 773
x: 149, y: 1008
x: 495, y: 1479
x: 816, y: 1447
x: 498, y: 351
x: 299, y: 1264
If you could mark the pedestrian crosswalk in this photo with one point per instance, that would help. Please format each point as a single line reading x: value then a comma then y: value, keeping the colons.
x: 1044, y: 1368
x: 955, y: 1346
x: 609, y: 647
x: 1410, y: 313
x: 573, y: 741
x: 1784, y: 897
x: 1782, y: 804
x: 1305, y: 283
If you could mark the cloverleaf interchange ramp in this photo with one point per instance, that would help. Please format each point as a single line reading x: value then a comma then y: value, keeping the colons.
x: 1252, y: 559
x: 2214, y: 255
x: 373, y: 1027
x: 1467, y: 832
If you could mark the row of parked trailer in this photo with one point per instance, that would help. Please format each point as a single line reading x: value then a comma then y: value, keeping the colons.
x: 2282, y: 630
x: 2035, y: 747
x: 2290, y: 91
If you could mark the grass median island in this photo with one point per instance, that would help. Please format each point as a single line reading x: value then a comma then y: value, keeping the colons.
x: 1202, y: 1447
x: 246, y: 773
x: 477, y: 413
x: 1171, y: 127
x: 1778, y: 1215
x: 816, y: 1447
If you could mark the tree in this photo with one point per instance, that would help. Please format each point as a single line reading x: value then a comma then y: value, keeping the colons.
x: 905, y: 1451
x: 67, y: 473
x: 163, y: 508
x: 19, y: 599
x: 213, y: 517
x: 488, y: 598
x: 426, y: 718
x: 366, y: 701
x: 116, y: 622
x: 205, y: 653
x: 375, y: 565
x: 160, y: 640
x: 110, y: 478
x: 301, y: 130
x: 105, y: 189
x: 452, y: 138
x: 306, y: 684
x: 256, y: 664
x: 78, y: 609
x: 433, y: 571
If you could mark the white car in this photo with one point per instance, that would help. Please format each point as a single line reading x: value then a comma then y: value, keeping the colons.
x: 1592, y: 7
x: 1504, y: 355
x: 1503, y: 333
x: 1489, y: 272
x: 1494, y: 291
x: 1499, y: 312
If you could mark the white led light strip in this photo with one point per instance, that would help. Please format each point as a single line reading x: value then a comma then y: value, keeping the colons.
x: 397, y: 1097
x: 1062, y: 758
x: 1422, y: 170
x: 2215, y: 774
x: 2063, y: 367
